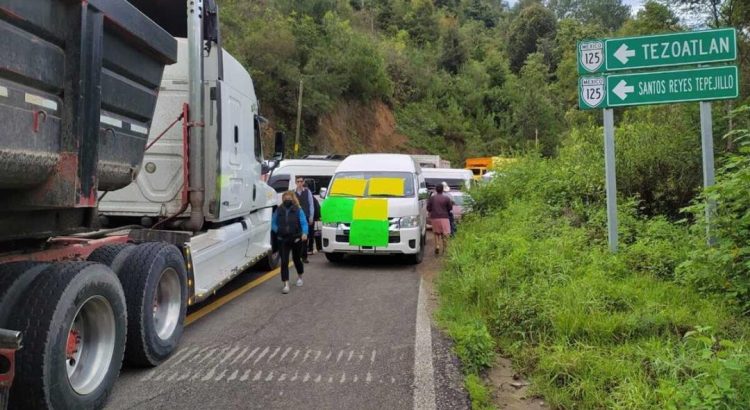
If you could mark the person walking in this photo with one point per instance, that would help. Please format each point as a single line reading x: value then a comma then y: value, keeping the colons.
x: 305, y: 200
x: 289, y: 224
x: 315, y: 240
x: 439, y: 206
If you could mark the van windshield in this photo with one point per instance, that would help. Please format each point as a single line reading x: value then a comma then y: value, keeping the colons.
x: 367, y: 176
x: 453, y: 183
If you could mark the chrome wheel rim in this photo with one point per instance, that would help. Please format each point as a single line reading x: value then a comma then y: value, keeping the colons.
x: 167, y: 304
x: 90, y: 345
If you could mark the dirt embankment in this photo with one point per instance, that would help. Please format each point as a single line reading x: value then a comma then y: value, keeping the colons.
x: 355, y: 127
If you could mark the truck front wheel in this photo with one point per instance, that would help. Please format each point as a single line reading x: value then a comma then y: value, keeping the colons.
x: 73, y: 320
x: 155, y: 282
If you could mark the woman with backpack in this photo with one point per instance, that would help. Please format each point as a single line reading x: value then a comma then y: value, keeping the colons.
x: 290, y: 226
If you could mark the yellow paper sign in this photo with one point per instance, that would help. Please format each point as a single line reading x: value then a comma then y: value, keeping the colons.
x: 371, y: 209
x: 348, y: 186
x: 386, y: 186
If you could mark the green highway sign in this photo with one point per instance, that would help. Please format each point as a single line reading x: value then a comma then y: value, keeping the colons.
x: 660, y: 87
x: 663, y: 50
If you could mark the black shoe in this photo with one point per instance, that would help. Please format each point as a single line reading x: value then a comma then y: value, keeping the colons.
x: 305, y: 261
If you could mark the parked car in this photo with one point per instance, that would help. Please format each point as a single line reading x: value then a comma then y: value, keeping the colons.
x: 316, y: 172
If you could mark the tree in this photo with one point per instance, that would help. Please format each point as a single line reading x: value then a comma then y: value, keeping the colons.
x: 532, y: 24
x: 422, y: 22
x: 653, y: 18
x: 610, y: 14
x: 481, y: 10
x: 453, y: 54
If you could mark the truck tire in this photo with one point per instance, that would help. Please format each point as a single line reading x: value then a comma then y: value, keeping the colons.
x: 334, y: 257
x: 113, y: 255
x: 155, y: 282
x: 418, y: 257
x: 269, y: 262
x: 15, y: 277
x: 73, y: 320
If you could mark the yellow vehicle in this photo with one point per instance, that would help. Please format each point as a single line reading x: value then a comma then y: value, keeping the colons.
x: 478, y: 166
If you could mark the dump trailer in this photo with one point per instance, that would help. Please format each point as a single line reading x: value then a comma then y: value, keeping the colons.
x: 127, y: 191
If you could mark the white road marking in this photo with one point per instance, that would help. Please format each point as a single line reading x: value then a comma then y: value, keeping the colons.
x: 317, y: 355
x: 343, y: 378
x: 188, y: 353
x: 356, y: 378
x: 369, y: 377
x: 208, y: 355
x: 341, y: 353
x: 245, y: 375
x: 270, y: 376
x: 330, y: 379
x: 233, y: 376
x: 294, y: 377
x: 257, y: 375
x: 424, y: 375
x: 361, y: 357
x: 173, y: 376
x: 351, y: 353
x: 329, y: 355
x: 221, y: 376
x: 296, y: 353
x: 184, y: 376
x: 260, y: 356
x: 306, y: 378
x: 198, y: 356
x: 317, y: 379
x: 209, y: 375
x: 250, y: 356
x: 239, y: 356
x: 273, y: 354
x: 282, y: 377
x: 372, y: 357
x: 230, y: 354
x: 286, y: 352
x: 307, y: 354
x: 3, y: 92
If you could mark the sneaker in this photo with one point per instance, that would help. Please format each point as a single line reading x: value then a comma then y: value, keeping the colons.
x: 285, y: 289
x: 300, y: 282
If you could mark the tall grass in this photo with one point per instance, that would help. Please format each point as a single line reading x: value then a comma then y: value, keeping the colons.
x: 529, y: 275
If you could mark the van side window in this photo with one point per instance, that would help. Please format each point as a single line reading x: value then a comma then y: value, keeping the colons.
x: 279, y: 183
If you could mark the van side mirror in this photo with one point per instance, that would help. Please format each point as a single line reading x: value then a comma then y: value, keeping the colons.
x: 323, y: 192
x: 424, y: 193
x: 278, y: 154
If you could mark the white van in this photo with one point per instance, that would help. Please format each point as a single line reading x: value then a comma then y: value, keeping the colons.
x: 316, y: 172
x: 457, y: 179
x: 407, y: 214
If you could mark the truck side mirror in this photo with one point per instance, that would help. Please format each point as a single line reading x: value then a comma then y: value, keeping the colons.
x: 279, y: 146
x: 323, y: 192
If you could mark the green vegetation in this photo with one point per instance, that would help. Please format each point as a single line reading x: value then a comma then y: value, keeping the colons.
x: 661, y: 324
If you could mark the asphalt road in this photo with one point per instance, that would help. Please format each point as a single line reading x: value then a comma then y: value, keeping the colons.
x: 357, y: 335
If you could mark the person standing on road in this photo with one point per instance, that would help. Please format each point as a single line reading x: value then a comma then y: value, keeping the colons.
x: 315, y: 240
x: 289, y: 223
x: 305, y: 200
x: 439, y: 206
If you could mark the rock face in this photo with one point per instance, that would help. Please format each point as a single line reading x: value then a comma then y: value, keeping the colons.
x: 356, y: 127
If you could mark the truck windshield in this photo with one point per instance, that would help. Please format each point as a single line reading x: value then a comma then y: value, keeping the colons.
x: 405, y: 176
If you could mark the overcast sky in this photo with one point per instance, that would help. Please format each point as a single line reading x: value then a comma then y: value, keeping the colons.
x: 634, y: 4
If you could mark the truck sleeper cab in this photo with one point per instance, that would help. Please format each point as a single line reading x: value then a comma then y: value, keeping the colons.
x: 406, y: 214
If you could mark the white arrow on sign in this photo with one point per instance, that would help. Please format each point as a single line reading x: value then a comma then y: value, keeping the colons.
x: 622, y: 89
x: 624, y: 53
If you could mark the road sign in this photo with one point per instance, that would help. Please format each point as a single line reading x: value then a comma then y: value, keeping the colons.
x: 660, y: 87
x: 664, y: 50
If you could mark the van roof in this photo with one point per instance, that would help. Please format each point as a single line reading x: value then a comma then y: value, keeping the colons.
x: 446, y: 172
x: 306, y: 167
x: 378, y: 162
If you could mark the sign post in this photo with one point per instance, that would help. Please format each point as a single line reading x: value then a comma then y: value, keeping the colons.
x: 601, y: 90
x: 610, y: 175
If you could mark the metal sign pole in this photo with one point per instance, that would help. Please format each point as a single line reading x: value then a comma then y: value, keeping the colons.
x: 707, y: 145
x: 611, y: 184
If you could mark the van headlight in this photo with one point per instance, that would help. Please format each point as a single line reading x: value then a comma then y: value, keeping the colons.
x: 409, y: 221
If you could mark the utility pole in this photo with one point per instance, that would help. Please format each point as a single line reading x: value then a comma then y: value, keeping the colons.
x: 299, y: 119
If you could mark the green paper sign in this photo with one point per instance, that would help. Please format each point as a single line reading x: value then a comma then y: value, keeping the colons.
x: 337, y: 209
x: 368, y: 233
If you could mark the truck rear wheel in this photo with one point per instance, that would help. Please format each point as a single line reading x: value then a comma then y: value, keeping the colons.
x: 73, y: 324
x: 113, y: 255
x: 15, y: 277
x: 155, y: 282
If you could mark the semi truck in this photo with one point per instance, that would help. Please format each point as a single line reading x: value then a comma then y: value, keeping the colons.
x: 130, y: 188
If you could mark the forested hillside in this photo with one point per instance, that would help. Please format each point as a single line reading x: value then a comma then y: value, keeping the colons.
x: 452, y: 77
